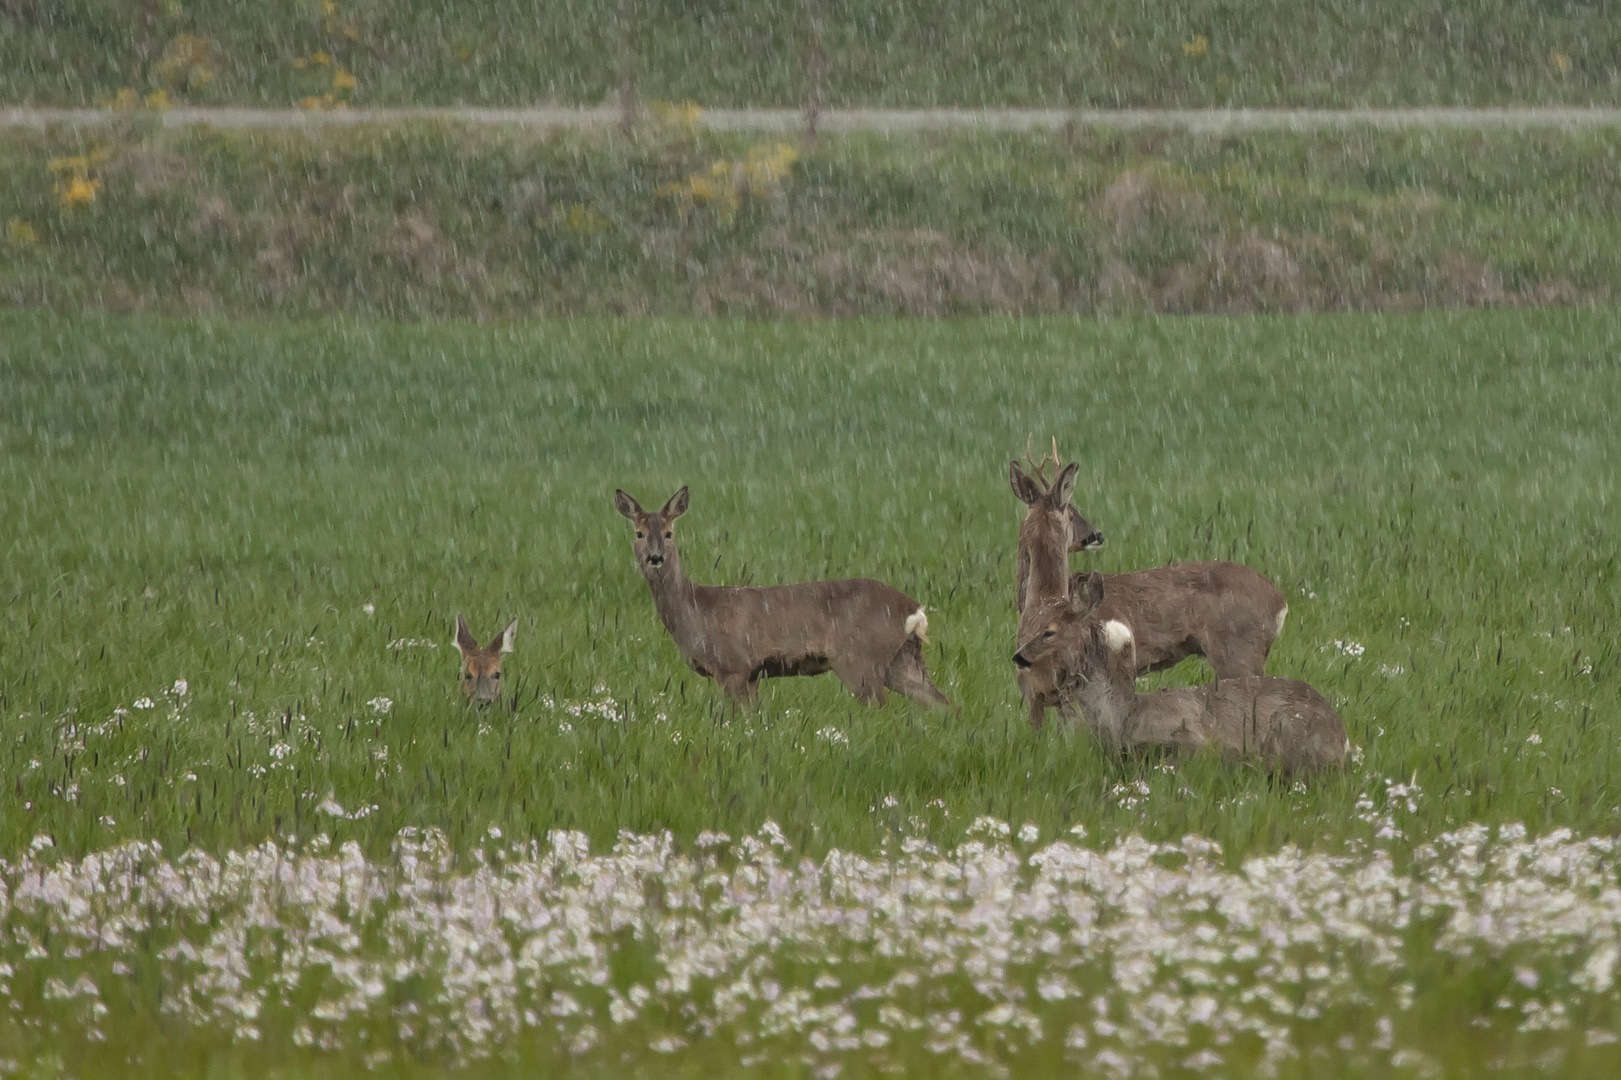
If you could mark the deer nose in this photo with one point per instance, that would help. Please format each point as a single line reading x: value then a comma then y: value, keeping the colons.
x: 1093, y: 540
x: 655, y: 560
x: 1019, y: 661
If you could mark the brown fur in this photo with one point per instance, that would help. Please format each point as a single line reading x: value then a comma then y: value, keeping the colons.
x: 1283, y: 723
x: 855, y: 628
x: 1225, y: 612
x: 481, y: 667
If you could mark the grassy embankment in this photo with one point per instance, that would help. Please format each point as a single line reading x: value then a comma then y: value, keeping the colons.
x: 747, y: 52
x: 431, y: 222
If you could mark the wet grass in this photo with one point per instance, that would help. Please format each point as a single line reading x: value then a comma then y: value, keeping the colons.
x: 747, y: 52
x: 280, y: 514
x: 426, y: 221
x: 268, y: 511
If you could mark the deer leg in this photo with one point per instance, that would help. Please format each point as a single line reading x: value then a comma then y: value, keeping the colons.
x: 739, y: 687
x: 909, y: 675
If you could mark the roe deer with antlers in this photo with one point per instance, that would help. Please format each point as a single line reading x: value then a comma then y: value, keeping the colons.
x: 481, y: 667
x: 1283, y: 723
x: 1225, y: 612
x: 868, y: 634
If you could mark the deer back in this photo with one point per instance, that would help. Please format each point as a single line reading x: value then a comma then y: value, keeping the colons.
x: 1214, y: 609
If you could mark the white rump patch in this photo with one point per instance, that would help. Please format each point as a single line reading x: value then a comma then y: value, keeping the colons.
x: 917, y: 625
x: 1284, y: 614
x: 1117, y: 633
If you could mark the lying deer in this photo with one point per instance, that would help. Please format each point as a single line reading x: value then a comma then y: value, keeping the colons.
x: 481, y: 668
x: 868, y: 634
x: 1092, y: 660
x: 1225, y: 612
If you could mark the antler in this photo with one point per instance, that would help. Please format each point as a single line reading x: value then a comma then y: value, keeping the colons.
x: 1038, y: 469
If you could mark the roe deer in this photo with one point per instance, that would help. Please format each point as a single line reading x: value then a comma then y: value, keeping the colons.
x: 868, y: 634
x: 1090, y: 657
x: 481, y: 668
x: 1225, y: 612
x: 1051, y: 520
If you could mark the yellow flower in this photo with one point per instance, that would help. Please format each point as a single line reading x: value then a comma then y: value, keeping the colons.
x: 320, y: 59
x: 342, y: 80
x: 300, y: 63
x: 1197, y: 47
x: 21, y: 233
x: 351, y: 31
x: 677, y: 114
x: 159, y: 99
x: 77, y: 191
x: 1561, y: 63
x: 463, y: 53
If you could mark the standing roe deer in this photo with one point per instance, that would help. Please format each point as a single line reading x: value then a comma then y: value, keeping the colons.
x: 1225, y: 612
x: 481, y: 668
x: 1284, y: 723
x: 868, y: 634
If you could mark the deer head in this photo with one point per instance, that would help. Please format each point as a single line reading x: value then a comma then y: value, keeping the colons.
x: 656, y: 554
x: 1075, y: 645
x: 1034, y: 487
x: 481, y: 667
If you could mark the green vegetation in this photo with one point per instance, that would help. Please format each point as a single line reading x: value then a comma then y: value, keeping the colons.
x: 432, y: 222
x: 218, y: 503
x: 283, y: 516
x: 749, y: 52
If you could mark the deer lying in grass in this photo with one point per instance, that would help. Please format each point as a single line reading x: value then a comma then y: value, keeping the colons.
x: 868, y: 634
x: 481, y: 668
x: 1225, y: 612
x: 1092, y: 660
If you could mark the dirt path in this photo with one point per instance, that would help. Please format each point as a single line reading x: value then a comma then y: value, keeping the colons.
x: 880, y: 120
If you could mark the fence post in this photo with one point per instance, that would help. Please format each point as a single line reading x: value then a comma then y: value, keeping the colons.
x: 815, y: 67
x: 626, y: 57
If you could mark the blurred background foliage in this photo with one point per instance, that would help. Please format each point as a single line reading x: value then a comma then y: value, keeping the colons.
x: 876, y: 52
x: 428, y: 220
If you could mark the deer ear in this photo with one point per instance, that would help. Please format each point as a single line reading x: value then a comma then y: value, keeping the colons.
x: 676, y: 506
x: 465, y: 641
x: 1086, y: 596
x: 627, y: 505
x: 1024, y: 487
x: 1064, y: 486
x: 506, y: 636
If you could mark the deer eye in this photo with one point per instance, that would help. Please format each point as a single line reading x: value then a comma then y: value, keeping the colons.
x: 640, y: 535
x: 495, y: 675
x: 1049, y: 632
x: 668, y: 533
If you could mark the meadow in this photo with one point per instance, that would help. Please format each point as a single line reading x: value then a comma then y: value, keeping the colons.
x: 1204, y: 53
x: 435, y: 221
x: 246, y: 825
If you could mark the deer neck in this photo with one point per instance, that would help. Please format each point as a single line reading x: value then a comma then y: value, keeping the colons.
x: 675, y: 597
x: 1107, y: 705
x: 1043, y: 564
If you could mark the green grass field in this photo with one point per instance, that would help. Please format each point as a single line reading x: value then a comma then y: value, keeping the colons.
x: 281, y: 515
x: 879, y: 52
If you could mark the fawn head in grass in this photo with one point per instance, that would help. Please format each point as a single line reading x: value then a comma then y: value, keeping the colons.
x: 481, y: 667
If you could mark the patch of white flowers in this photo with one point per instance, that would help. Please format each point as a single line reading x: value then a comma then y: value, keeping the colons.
x: 1119, y: 957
